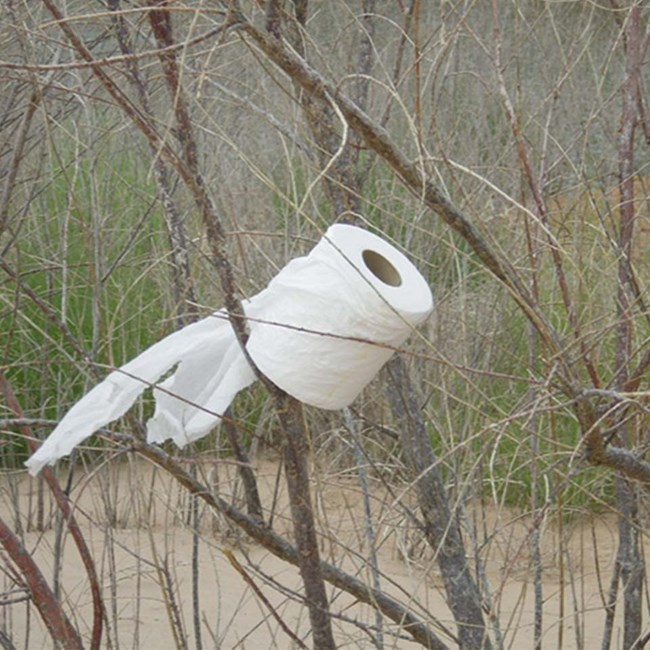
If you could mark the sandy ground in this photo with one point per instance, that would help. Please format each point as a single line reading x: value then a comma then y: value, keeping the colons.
x: 145, y: 562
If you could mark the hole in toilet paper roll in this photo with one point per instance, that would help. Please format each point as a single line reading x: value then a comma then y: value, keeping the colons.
x: 381, y: 268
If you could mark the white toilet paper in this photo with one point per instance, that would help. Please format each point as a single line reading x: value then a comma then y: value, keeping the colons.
x: 321, y: 330
x: 334, y: 317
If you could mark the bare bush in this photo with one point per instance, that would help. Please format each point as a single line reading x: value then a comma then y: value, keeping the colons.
x: 489, y: 488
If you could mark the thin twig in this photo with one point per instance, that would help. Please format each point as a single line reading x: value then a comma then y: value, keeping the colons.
x: 260, y: 594
x: 378, y: 637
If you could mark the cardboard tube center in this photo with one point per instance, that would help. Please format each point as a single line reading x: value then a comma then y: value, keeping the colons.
x: 381, y: 268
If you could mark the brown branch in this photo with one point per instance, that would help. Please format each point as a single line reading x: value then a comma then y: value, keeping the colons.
x: 17, y: 154
x: 540, y: 205
x: 64, y: 506
x: 442, y: 528
x: 377, y: 139
x: 109, y: 61
x: 244, y: 469
x: 629, y: 122
x: 273, y: 17
x: 187, y: 166
x: 295, y: 451
x: 289, y: 409
x: 182, y: 284
x: 61, y: 631
x: 361, y: 91
x: 624, y: 461
x: 629, y: 555
x: 644, y: 47
x: 411, y: 173
x: 160, y: 21
x: 637, y: 373
x: 340, y: 182
x: 260, y: 594
x: 276, y: 544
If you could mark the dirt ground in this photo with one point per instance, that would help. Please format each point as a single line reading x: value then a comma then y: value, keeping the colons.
x: 144, y: 558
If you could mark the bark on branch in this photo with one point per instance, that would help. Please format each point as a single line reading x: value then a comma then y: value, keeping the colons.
x: 402, y: 616
x: 62, y: 633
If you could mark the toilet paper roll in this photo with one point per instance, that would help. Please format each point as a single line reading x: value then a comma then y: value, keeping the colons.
x: 334, y: 317
x: 320, y: 331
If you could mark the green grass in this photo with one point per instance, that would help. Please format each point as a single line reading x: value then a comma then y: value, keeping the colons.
x: 101, y: 275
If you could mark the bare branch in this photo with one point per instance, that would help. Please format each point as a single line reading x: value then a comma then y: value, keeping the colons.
x: 392, y: 609
x: 61, y: 630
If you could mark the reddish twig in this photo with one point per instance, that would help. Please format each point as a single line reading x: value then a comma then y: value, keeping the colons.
x: 540, y: 205
x: 62, y: 632
x: 64, y: 506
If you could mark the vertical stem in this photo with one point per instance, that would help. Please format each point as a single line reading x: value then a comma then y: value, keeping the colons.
x: 182, y: 285
x: 536, y: 536
x: 533, y: 428
x: 339, y: 182
x: 18, y: 148
x: 63, y: 504
x: 539, y: 202
x: 196, y: 603
x: 289, y: 409
x: 295, y: 454
x: 560, y: 531
x: 629, y: 554
x: 416, y: 70
x: 113, y: 578
x: 244, y: 469
x: 442, y: 526
x: 610, y: 608
x: 370, y: 532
